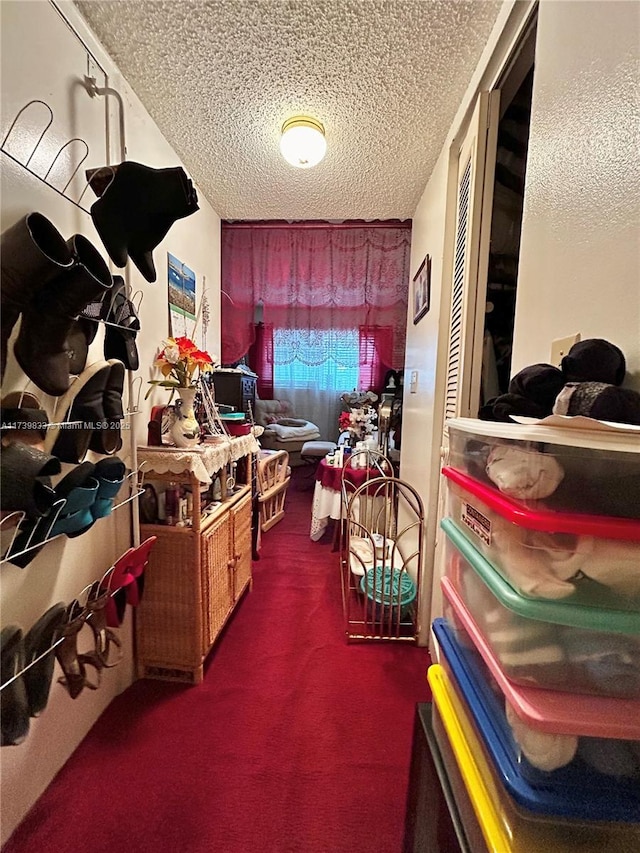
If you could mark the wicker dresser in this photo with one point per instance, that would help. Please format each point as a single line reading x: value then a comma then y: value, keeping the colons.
x: 196, y: 574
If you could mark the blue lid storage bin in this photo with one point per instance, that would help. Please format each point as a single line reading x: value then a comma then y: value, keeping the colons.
x: 577, y: 790
x: 507, y: 827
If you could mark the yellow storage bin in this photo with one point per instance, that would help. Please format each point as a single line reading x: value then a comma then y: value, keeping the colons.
x: 506, y: 828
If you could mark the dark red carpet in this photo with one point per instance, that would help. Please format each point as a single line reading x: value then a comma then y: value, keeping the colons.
x: 296, y: 742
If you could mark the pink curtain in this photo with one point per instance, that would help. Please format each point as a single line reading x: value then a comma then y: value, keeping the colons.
x: 317, y: 276
x: 374, y: 341
x: 261, y: 360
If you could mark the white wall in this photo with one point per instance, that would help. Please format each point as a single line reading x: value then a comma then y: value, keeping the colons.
x: 422, y: 411
x: 580, y: 252
x: 41, y: 58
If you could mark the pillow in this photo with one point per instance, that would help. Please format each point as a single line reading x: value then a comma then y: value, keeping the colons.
x: 292, y: 422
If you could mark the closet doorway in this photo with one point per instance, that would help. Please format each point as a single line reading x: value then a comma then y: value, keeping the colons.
x: 486, y: 193
x: 506, y: 222
x: 488, y: 165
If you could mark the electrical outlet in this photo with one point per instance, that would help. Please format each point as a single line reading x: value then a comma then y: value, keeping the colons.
x: 561, y: 346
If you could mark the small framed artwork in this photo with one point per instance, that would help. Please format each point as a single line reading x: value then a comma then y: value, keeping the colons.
x: 422, y: 290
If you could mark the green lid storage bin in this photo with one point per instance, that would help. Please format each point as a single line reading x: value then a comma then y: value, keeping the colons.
x: 558, y: 645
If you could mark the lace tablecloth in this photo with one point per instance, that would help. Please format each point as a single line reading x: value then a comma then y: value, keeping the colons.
x: 326, y: 504
x: 202, y: 461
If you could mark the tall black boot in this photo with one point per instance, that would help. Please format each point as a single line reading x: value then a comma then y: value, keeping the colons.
x: 41, y: 348
x: 137, y: 207
x: 32, y: 252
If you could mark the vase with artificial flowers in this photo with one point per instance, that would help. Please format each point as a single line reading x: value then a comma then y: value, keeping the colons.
x: 359, y: 423
x: 181, y: 364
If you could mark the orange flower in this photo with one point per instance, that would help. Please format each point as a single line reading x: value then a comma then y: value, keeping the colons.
x: 178, y: 359
x: 186, y: 346
x: 201, y: 358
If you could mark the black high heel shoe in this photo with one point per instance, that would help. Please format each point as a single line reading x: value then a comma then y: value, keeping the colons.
x: 137, y: 206
x: 14, y: 705
x: 108, y: 440
x: 122, y: 327
x: 104, y: 638
x: 73, y: 665
x: 39, y: 657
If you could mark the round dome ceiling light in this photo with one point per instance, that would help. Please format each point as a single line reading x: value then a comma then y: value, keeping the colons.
x: 302, y: 142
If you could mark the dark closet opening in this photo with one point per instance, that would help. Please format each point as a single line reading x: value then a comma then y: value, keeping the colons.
x: 506, y: 224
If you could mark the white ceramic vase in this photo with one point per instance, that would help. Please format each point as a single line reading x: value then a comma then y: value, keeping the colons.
x: 185, y: 430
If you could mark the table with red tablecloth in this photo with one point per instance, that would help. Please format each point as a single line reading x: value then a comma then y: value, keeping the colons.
x: 327, y: 494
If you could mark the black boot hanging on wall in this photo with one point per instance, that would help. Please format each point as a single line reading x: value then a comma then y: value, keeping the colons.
x: 32, y: 252
x: 41, y: 348
x: 137, y: 206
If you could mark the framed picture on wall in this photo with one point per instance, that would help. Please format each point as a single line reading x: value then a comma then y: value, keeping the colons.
x: 181, y: 282
x: 422, y: 290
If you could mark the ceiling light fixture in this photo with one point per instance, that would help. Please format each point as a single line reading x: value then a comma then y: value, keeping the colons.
x: 302, y: 142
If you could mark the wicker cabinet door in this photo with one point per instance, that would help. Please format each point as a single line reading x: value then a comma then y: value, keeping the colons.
x: 169, y: 623
x: 241, y: 556
x: 217, y: 595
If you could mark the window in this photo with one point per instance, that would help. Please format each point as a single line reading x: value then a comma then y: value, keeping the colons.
x: 316, y: 359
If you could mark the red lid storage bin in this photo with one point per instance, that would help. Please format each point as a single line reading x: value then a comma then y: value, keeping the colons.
x: 593, y: 470
x: 590, y: 560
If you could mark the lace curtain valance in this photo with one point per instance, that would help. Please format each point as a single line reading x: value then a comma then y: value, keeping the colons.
x: 314, y: 278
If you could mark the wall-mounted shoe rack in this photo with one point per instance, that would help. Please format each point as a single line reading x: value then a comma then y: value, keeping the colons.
x: 23, y: 154
x: 23, y: 149
x: 100, y: 605
x: 40, y: 532
x: 28, y: 145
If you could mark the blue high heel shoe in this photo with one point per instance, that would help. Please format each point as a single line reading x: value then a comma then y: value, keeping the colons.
x: 110, y: 474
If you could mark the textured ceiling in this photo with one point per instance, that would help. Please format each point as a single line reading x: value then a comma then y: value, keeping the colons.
x: 219, y: 78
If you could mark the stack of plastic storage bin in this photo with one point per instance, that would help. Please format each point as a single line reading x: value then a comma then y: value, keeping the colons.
x: 537, y: 691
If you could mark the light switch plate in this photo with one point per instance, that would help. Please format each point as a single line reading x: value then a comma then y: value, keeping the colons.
x: 413, y: 385
x: 561, y: 346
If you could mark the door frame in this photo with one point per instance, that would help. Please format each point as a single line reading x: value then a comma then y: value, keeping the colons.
x: 515, y: 43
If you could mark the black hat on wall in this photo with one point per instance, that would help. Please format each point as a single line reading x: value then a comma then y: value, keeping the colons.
x: 594, y: 360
